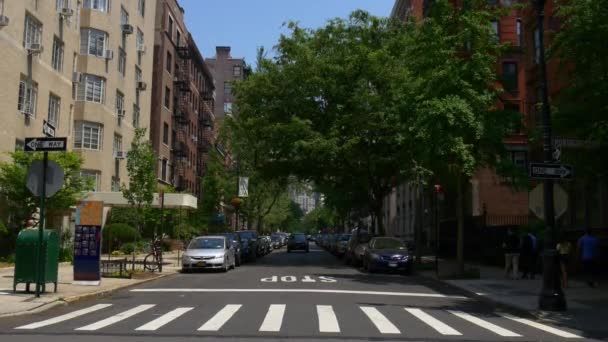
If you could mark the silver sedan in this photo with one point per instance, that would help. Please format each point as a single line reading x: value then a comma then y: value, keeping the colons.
x: 209, y: 252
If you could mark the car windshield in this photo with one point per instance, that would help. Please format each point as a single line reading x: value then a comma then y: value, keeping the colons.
x: 298, y: 237
x: 230, y: 236
x: 275, y: 238
x: 247, y: 235
x: 388, y: 243
x: 345, y: 237
x: 207, y: 243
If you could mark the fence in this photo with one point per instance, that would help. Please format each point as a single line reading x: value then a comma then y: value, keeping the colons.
x: 121, y: 268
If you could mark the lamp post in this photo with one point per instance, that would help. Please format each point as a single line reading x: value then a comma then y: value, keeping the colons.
x: 552, y: 297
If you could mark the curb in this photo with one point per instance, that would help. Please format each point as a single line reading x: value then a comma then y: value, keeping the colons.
x: 72, y: 299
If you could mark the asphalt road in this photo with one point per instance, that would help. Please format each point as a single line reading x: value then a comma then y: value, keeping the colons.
x: 296, y: 297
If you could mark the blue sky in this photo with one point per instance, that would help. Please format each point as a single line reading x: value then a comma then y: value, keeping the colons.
x: 246, y: 24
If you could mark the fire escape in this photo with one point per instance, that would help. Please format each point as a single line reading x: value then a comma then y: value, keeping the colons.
x: 206, y: 122
x: 181, y: 116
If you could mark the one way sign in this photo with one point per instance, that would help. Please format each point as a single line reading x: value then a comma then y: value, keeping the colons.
x: 45, y: 144
x: 550, y: 171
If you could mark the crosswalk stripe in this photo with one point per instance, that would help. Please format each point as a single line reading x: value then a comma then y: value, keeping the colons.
x: 116, y: 318
x: 380, y: 321
x: 434, y: 323
x: 274, y: 318
x: 65, y: 317
x: 164, y: 319
x: 216, y: 322
x: 328, y: 322
x: 543, y: 327
x: 484, y: 324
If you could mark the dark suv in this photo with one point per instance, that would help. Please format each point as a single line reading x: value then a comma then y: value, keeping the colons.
x: 249, y: 244
x: 235, y: 239
x: 297, y: 242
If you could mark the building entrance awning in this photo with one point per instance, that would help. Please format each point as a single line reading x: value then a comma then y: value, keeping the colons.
x: 117, y: 200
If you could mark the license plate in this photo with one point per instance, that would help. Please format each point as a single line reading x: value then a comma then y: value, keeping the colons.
x: 392, y: 264
x: 201, y: 264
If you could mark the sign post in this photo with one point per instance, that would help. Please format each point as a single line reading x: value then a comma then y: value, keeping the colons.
x: 45, y: 145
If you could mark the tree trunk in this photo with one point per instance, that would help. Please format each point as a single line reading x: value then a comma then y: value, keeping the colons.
x: 418, y: 225
x: 460, y: 218
x: 378, y: 216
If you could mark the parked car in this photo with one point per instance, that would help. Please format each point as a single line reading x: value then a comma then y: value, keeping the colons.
x: 275, y: 242
x: 249, y: 243
x: 209, y: 252
x: 333, y: 243
x: 297, y: 242
x: 389, y: 254
x: 264, y: 245
x: 342, y: 244
x: 236, y: 242
x: 357, y: 244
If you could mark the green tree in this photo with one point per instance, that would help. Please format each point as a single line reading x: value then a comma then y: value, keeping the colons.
x: 142, y: 177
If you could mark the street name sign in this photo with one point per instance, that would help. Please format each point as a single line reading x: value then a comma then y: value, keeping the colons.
x: 46, y: 144
x: 48, y: 129
x: 550, y: 171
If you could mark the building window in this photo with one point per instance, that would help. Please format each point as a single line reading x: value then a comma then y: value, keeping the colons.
x: 88, y: 135
x: 122, y: 62
x: 513, y: 108
x: 92, y: 89
x: 519, y: 158
x: 54, y: 110
x: 98, y: 5
x: 135, y: 116
x: 228, y: 108
x: 509, y: 76
x: 94, y: 177
x: 163, y: 170
x: 520, y: 33
x: 178, y: 38
x: 167, y: 98
x: 141, y: 7
x: 236, y: 71
x: 165, y: 133
x: 169, y: 62
x: 139, y: 40
x: 117, y: 145
x: 170, y: 28
x: 57, y: 56
x: 32, y: 32
x: 227, y: 88
x: 124, y: 16
x: 28, y: 97
x: 120, y: 104
x: 537, y: 46
x: 495, y: 30
x: 115, y: 184
x: 93, y: 42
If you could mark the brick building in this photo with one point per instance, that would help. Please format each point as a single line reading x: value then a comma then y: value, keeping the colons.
x: 182, y: 102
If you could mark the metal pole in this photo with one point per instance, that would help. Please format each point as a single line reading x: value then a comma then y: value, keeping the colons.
x: 39, y: 259
x: 162, y: 208
x: 437, y: 234
x: 236, y: 228
x: 552, y: 297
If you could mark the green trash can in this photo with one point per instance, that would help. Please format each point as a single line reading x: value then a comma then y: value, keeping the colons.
x: 25, y: 258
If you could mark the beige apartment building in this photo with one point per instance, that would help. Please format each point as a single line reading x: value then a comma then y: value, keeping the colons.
x: 84, y: 66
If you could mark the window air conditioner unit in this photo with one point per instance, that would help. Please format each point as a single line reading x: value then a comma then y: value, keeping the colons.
x: 4, y: 20
x: 141, y: 49
x: 127, y: 29
x: 141, y: 85
x: 66, y: 12
x: 77, y: 77
x: 35, y: 48
x: 108, y: 54
x: 121, y: 114
x: 120, y: 155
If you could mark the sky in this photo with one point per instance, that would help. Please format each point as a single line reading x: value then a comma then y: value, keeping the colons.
x: 245, y: 25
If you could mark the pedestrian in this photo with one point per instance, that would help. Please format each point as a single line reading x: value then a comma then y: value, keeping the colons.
x: 564, y: 248
x: 511, y: 247
x: 529, y: 253
x: 587, y: 252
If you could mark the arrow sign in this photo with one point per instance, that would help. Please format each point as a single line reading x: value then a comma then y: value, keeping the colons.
x: 550, y: 171
x: 46, y: 144
x: 48, y: 129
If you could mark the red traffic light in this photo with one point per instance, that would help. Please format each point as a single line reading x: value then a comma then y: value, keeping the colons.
x: 438, y: 188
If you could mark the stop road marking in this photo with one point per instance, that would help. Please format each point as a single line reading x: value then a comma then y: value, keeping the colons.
x: 294, y: 279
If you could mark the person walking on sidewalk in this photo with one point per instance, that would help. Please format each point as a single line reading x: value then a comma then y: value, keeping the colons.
x: 587, y: 251
x: 529, y: 253
x: 511, y: 247
x: 564, y: 247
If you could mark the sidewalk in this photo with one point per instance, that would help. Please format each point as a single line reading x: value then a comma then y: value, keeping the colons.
x: 13, y: 304
x: 587, y: 307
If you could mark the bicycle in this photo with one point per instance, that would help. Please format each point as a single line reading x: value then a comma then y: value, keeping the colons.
x: 152, y: 261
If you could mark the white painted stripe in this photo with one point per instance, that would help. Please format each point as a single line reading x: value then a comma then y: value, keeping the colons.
x: 380, y: 321
x: 376, y: 293
x: 434, y: 323
x: 65, y: 317
x: 542, y: 327
x: 274, y: 318
x: 216, y: 322
x: 484, y: 324
x: 328, y: 322
x: 116, y: 318
x: 164, y: 319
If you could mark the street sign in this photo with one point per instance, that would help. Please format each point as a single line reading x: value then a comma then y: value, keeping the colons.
x: 46, y: 144
x: 243, y: 186
x: 550, y: 171
x: 54, y: 178
x: 575, y: 143
x: 48, y: 129
x: 537, y: 205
